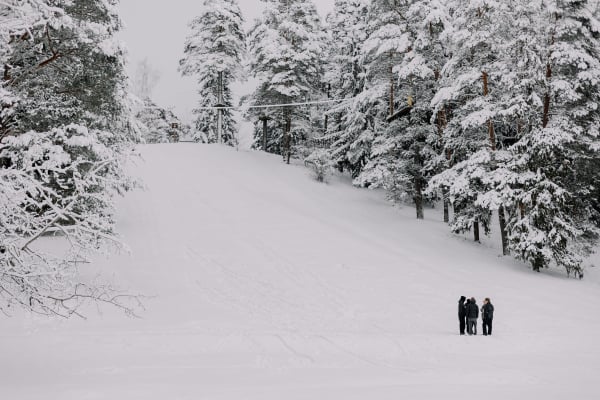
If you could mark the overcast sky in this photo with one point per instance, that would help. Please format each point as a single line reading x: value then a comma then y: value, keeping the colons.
x: 156, y: 30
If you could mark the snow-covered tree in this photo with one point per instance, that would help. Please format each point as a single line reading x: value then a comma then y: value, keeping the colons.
x: 556, y: 160
x: 470, y: 89
x: 161, y: 125
x: 213, y: 55
x: 70, y: 70
x: 64, y: 95
x: 286, y: 46
x: 404, y: 150
x: 399, y: 146
x: 348, y: 129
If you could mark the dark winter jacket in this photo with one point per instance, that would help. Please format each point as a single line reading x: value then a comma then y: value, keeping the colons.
x: 462, y: 311
x: 472, y: 310
x: 487, y: 311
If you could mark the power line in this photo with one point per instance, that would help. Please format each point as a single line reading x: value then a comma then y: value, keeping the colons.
x: 307, y: 103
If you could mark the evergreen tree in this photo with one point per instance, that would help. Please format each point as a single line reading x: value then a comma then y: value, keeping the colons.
x: 470, y: 86
x: 347, y: 131
x: 161, y: 125
x: 399, y: 148
x: 557, y: 160
x: 69, y: 72
x: 213, y: 54
x: 403, y: 153
x: 286, y: 46
x: 359, y: 145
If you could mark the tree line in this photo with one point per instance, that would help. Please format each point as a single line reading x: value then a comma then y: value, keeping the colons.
x: 490, y: 107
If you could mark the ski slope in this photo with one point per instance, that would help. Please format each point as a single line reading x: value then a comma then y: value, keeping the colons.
x: 264, y: 284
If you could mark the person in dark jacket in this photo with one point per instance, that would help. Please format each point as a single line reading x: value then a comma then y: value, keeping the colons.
x: 487, y: 315
x: 472, y: 315
x: 462, y: 314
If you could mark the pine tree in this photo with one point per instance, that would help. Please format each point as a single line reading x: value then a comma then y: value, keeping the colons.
x: 556, y: 159
x: 70, y: 72
x: 286, y: 46
x: 213, y: 54
x: 161, y: 125
x: 470, y: 86
x: 347, y: 127
x: 414, y: 129
x: 403, y: 45
x: 361, y: 145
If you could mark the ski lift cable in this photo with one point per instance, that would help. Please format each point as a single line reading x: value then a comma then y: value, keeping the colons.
x: 307, y: 103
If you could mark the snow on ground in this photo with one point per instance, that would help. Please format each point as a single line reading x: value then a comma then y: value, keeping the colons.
x: 267, y: 285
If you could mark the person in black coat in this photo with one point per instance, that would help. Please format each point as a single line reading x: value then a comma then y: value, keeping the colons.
x: 487, y: 315
x: 472, y: 315
x: 462, y: 314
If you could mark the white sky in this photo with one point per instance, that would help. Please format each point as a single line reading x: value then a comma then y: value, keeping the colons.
x: 156, y: 29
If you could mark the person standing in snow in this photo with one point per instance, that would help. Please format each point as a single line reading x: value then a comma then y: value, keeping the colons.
x: 487, y: 314
x: 462, y: 314
x: 472, y: 315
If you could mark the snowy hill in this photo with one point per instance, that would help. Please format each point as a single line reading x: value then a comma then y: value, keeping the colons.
x: 267, y: 285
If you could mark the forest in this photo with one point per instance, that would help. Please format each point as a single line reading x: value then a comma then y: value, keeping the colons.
x: 488, y: 108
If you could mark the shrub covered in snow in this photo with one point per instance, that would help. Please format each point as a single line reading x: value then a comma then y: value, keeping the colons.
x: 319, y: 161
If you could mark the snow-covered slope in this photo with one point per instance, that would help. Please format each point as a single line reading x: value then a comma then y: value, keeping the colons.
x: 264, y: 284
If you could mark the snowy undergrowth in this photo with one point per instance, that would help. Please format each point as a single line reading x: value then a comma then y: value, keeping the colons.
x: 269, y: 285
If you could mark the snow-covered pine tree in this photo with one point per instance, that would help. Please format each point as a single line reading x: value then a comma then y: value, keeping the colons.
x: 286, y: 46
x: 162, y: 125
x: 389, y: 40
x: 70, y: 70
x: 520, y: 68
x: 214, y: 51
x: 557, y: 160
x: 347, y: 132
x: 413, y: 128
x: 469, y: 89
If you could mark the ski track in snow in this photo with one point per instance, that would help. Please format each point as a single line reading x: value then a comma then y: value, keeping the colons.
x: 264, y: 284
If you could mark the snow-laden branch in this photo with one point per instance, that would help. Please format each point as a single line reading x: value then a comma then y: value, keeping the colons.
x: 52, y: 197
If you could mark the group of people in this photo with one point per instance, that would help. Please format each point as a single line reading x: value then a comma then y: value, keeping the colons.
x: 468, y: 313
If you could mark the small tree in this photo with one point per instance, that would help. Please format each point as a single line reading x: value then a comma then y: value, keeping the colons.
x: 319, y: 161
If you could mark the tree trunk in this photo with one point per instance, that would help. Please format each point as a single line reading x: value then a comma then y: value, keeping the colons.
x: 546, y: 116
x: 326, y: 114
x: 492, y: 137
x: 503, y: 232
x: 391, y: 85
x: 288, y: 139
x: 476, y: 231
x: 522, y: 209
x: 446, y: 206
x: 220, y: 110
x: 418, y: 198
x: 491, y: 131
x: 264, y: 135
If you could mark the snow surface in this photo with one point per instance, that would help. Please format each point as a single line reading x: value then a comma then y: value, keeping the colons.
x: 268, y: 285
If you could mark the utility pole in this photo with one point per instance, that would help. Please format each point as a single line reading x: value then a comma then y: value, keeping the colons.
x: 264, y: 120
